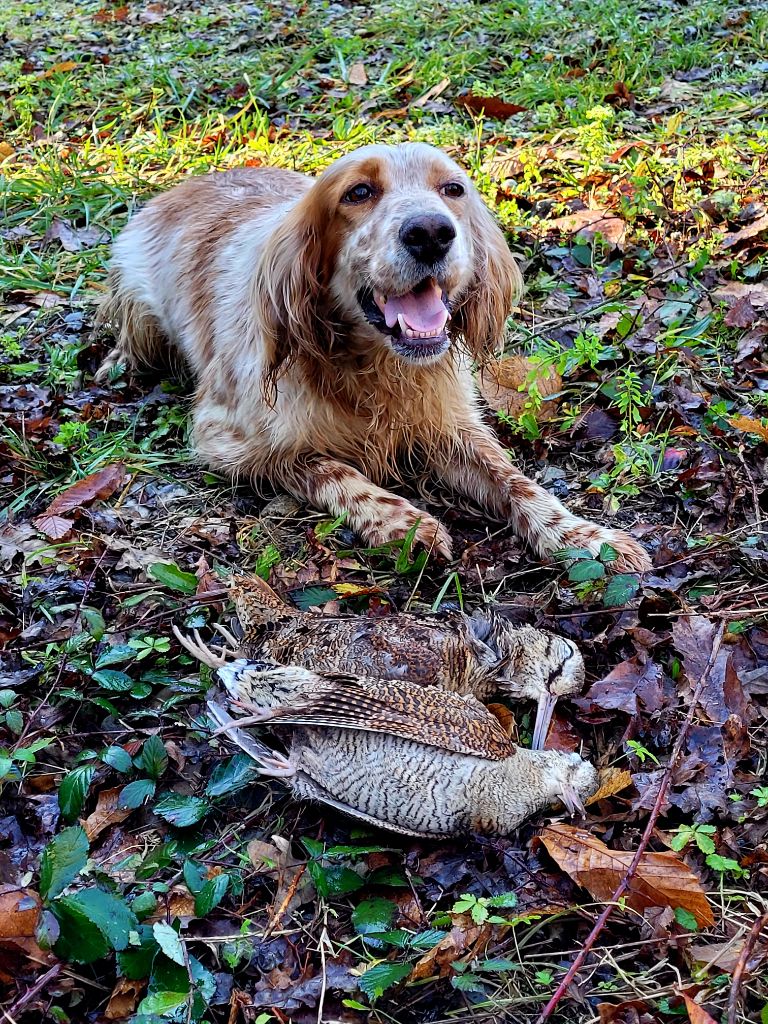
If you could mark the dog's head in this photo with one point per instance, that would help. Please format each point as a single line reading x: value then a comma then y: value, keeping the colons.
x: 394, y: 244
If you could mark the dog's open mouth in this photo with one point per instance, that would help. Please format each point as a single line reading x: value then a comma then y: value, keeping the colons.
x: 415, y: 321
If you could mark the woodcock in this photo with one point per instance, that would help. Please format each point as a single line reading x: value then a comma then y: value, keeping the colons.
x: 478, y: 655
x: 409, y: 758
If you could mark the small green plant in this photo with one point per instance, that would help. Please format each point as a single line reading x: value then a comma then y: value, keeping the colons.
x: 73, y: 434
x: 642, y: 753
x: 479, y: 907
x: 544, y: 978
x: 589, y: 574
x: 700, y: 835
x: 761, y: 795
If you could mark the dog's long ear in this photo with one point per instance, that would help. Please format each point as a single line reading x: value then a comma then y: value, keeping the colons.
x: 291, y: 284
x: 495, y: 287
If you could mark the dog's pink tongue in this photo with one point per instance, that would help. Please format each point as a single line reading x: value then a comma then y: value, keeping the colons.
x: 423, y: 310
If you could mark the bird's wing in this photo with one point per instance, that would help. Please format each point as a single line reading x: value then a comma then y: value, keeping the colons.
x: 424, y: 714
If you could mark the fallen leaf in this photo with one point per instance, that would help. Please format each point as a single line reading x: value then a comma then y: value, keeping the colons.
x: 6, y: 151
x: 612, y: 781
x: 62, y: 66
x: 750, y: 426
x: 124, y: 997
x: 74, y: 239
x: 19, y: 911
x: 357, y: 75
x: 465, y: 940
x: 721, y: 956
x: 588, y: 223
x: 94, y: 487
x: 757, y: 227
x: 735, y: 290
x: 661, y: 880
x: 491, y: 106
x: 106, y: 813
x: 55, y: 527
x: 152, y: 14
x: 500, y: 380
x: 696, y: 1013
x: 107, y: 14
x: 741, y: 314
x: 631, y: 1011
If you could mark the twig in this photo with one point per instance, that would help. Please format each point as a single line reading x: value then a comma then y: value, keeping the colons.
x: 749, y: 944
x: 31, y: 992
x: 623, y: 886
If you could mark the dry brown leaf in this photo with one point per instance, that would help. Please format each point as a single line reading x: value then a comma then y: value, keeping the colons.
x: 106, y: 813
x: 588, y: 223
x: 179, y: 902
x: 661, y: 880
x: 631, y: 1011
x: 54, y: 527
x: 94, y: 487
x: 696, y: 1013
x: 6, y: 151
x: 505, y: 718
x: 732, y: 291
x: 124, y: 997
x: 757, y: 227
x: 153, y: 14
x: 491, y: 106
x: 63, y: 65
x: 749, y: 426
x: 741, y: 314
x: 19, y: 911
x: 724, y: 956
x: 357, y: 75
x: 500, y: 379
x: 612, y: 781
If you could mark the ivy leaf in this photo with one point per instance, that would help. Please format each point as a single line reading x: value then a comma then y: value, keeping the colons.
x: 168, y: 940
x: 620, y: 589
x: 211, y: 894
x: 74, y: 789
x: 182, y: 811
x: 173, y: 577
x: 115, y: 655
x: 63, y: 859
x: 135, y: 793
x: 378, y: 979
x: 589, y: 569
x: 154, y: 757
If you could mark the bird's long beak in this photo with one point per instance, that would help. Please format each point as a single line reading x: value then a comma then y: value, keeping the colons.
x: 572, y: 800
x: 544, y: 714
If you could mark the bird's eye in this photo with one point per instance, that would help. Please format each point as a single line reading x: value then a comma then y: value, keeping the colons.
x: 359, y: 193
x: 453, y: 189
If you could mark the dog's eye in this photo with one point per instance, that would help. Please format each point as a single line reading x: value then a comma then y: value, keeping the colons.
x: 453, y: 189
x: 359, y: 193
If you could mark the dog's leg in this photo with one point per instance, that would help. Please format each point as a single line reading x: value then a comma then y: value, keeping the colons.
x: 375, y: 513
x: 472, y: 462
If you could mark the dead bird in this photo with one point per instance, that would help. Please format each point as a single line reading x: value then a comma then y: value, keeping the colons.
x: 412, y: 759
x: 478, y: 655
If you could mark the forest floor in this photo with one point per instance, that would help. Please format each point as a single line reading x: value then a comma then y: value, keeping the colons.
x: 143, y: 870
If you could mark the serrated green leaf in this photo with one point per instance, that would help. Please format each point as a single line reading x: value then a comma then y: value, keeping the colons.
x: 479, y: 913
x: 115, y: 655
x: 74, y: 789
x: 704, y: 842
x: 498, y: 963
x: 135, y: 962
x: 162, y: 1002
x: 686, y: 919
x: 182, y: 811
x: 168, y: 940
x: 333, y: 880
x: 572, y: 554
x: 6, y: 764
x: 135, y: 793
x: 311, y: 597
x: 231, y: 776
x: 89, y: 911
x: 211, y: 895
x: 373, y: 915
x: 63, y: 859
x: 607, y: 553
x: 154, y: 757
x: 587, y: 570
x: 468, y: 983
x: 427, y: 939
x: 144, y: 905
x: 503, y: 899
x: 171, y: 576
x: 7, y: 697
x: 112, y: 679
x: 117, y: 758
x: 378, y: 979
x: 15, y: 721
x: 194, y: 879
x: 47, y: 930
x: 620, y: 589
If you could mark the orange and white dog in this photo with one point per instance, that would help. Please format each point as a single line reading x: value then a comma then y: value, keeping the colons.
x: 330, y: 325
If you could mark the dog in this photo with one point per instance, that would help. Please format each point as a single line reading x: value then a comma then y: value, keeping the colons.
x: 330, y: 326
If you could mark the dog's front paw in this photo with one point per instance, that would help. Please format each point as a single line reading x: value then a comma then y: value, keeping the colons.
x: 430, y: 534
x: 631, y: 556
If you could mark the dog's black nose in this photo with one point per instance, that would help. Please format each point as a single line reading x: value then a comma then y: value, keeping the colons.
x: 428, y: 237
